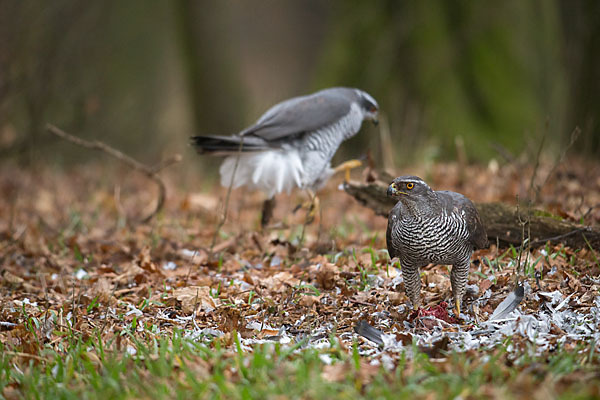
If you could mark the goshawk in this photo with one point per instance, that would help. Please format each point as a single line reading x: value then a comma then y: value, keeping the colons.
x: 292, y: 144
x: 427, y: 226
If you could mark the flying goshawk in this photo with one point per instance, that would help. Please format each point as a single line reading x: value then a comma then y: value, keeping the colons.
x: 292, y: 144
x: 427, y: 226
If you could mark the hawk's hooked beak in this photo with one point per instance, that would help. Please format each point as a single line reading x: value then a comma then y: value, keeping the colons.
x: 375, y: 121
x: 393, y: 191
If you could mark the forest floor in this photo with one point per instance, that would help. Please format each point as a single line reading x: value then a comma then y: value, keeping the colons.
x: 94, y: 305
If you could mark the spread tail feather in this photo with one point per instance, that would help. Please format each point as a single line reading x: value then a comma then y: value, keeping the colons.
x: 269, y: 171
x: 226, y: 145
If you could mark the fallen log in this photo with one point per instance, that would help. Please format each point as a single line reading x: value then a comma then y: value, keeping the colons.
x: 502, y: 221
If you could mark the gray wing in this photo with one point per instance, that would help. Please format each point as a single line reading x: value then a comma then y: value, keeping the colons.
x: 456, y: 202
x: 303, y: 114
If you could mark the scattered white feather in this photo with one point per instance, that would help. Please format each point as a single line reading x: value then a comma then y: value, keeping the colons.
x: 80, y: 274
x: 169, y: 266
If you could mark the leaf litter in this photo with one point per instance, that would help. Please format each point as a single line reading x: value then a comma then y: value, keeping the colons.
x: 70, y: 264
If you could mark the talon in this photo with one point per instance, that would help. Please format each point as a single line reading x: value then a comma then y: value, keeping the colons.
x: 312, y: 206
x: 313, y: 209
x: 299, y: 206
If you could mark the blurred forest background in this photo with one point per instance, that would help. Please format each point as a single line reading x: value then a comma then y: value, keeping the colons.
x: 144, y: 75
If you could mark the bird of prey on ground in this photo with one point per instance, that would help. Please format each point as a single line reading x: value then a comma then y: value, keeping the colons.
x: 292, y: 144
x: 427, y: 226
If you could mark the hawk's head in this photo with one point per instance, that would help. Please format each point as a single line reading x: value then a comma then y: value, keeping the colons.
x: 411, y: 187
x: 369, y: 106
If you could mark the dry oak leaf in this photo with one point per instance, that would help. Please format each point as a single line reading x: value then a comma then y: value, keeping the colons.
x: 395, y: 298
x: 279, y: 281
x: 326, y: 276
x: 131, y: 273
x: 365, y: 260
x: 309, y: 300
x: 144, y: 261
x: 195, y: 298
x: 484, y: 285
x: 102, y: 289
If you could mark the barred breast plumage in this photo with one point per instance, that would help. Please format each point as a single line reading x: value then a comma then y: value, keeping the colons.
x: 316, y: 149
x: 428, y: 226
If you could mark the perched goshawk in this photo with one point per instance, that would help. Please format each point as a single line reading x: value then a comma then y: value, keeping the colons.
x: 291, y: 145
x: 427, y: 226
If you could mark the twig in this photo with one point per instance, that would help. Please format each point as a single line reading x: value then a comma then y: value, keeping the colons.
x: 520, y: 270
x: 187, y: 276
x: 73, y: 308
x: 557, y: 237
x: 574, y: 136
x: 387, y: 154
x: 461, y: 155
x: 592, y: 249
x: 46, y: 301
x: 150, y: 172
x: 361, y: 303
x: 532, y: 186
x: 503, y: 152
x: 227, y: 196
x: 196, y: 327
x: 310, y: 217
x: 528, y: 234
x: 167, y: 162
x: 106, y: 312
x: 589, y: 211
x: 120, y: 210
x: 26, y: 355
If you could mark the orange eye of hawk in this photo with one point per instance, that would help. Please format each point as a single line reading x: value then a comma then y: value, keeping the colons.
x: 410, y: 185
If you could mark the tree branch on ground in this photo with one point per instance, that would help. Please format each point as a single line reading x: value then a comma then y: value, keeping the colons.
x: 501, y: 221
x: 150, y: 172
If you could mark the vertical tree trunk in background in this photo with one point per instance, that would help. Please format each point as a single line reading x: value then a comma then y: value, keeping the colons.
x: 488, y: 72
x: 497, y: 72
x: 209, y: 65
x: 581, y: 52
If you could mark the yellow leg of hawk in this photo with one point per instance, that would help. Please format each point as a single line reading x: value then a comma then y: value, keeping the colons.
x: 346, y: 167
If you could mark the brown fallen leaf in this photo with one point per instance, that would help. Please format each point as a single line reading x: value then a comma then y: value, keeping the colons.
x: 326, y: 276
x: 396, y: 298
x: 367, y: 371
x: 195, y: 298
x: 144, y: 261
x: 484, y: 285
x: 437, y: 349
x: 308, y: 300
x: 102, y: 289
x: 335, y: 372
x: 280, y: 281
